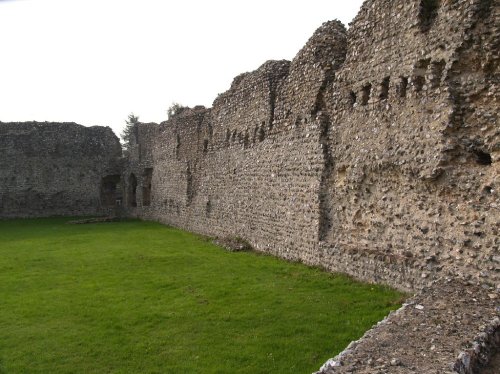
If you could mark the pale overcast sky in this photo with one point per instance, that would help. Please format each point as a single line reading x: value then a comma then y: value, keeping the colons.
x: 95, y: 61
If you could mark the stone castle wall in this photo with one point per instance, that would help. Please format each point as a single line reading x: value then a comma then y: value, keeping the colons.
x: 444, y: 177
x: 374, y: 152
x: 49, y: 169
x: 409, y: 183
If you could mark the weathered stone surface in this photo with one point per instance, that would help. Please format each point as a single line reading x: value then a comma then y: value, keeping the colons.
x: 375, y: 152
x: 51, y: 169
x: 456, y: 331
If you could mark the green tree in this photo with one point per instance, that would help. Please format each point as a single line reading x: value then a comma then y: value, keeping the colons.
x: 129, y: 130
x: 174, y: 109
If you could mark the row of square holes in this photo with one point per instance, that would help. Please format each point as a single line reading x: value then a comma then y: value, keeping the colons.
x: 418, y: 82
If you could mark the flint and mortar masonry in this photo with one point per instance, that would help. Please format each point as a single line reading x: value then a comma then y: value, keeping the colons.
x: 374, y: 152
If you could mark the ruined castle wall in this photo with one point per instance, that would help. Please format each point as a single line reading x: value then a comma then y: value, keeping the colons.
x: 373, y: 152
x: 233, y: 171
x: 137, y: 173
x: 395, y: 193
x: 474, y: 145
x: 51, y: 169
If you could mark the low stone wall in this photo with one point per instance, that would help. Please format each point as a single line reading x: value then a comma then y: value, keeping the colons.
x: 449, y: 327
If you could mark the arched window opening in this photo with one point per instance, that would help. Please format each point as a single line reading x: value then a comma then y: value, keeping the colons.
x: 111, y: 191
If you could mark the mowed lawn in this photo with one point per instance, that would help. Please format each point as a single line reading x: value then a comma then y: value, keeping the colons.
x: 139, y: 297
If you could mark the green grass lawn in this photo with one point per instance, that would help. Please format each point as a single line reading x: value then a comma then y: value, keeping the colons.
x: 139, y: 297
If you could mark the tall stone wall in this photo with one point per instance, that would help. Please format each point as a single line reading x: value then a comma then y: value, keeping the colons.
x: 138, y: 170
x: 374, y: 152
x: 217, y: 170
x: 51, y: 169
x: 413, y: 178
x: 251, y: 165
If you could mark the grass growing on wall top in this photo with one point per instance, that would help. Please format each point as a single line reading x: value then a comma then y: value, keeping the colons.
x: 139, y: 297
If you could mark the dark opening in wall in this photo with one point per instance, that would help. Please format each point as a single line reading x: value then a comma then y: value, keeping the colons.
x: 418, y: 83
x: 261, y: 134
x: 111, y: 193
x: 210, y: 131
x: 403, y: 86
x: 189, y: 186
x: 427, y: 13
x: 482, y: 158
x: 246, y: 140
x: 132, y: 191
x: 208, y: 208
x: 384, y: 89
x: 177, y: 146
x: 365, y: 94
x: 419, y: 72
x: 146, y: 186
x: 488, y: 190
x: 437, y: 69
x: 352, y: 98
x: 228, y: 136
x: 205, y: 146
